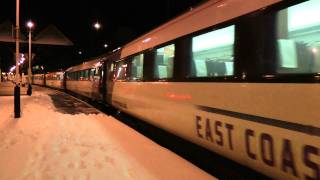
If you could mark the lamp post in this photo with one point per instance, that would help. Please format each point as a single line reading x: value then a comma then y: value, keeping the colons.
x: 30, y: 25
x: 17, y: 80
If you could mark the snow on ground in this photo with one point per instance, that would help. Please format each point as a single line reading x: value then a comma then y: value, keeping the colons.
x: 7, y: 88
x: 46, y: 144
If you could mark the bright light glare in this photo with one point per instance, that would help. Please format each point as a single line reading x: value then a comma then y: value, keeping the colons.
x: 97, y: 25
x: 116, y: 49
x: 146, y: 40
x: 12, y: 68
x: 314, y: 50
x: 214, y: 39
x: 98, y: 64
x: 30, y: 24
x: 297, y: 15
x: 105, y: 45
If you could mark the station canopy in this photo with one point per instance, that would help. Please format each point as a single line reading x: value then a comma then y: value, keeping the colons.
x: 51, y: 35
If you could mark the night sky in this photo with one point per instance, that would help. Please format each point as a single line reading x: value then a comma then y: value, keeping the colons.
x: 122, y: 21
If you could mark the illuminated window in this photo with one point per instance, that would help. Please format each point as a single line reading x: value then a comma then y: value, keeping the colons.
x: 86, y: 75
x: 92, y: 72
x: 212, y: 53
x: 298, y: 33
x: 121, y: 72
x: 137, y: 67
x: 82, y: 75
x: 164, y: 62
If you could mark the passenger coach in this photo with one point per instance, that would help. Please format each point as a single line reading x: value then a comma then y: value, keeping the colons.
x: 239, y: 78
x: 38, y: 79
x: 85, y: 79
x: 55, y: 80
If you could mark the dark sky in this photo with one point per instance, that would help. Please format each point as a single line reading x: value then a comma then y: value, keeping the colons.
x: 122, y: 21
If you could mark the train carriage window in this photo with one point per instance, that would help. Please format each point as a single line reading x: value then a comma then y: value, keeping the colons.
x: 121, y: 70
x: 298, y: 38
x: 137, y: 67
x: 86, y: 75
x: 112, y: 65
x: 113, y: 70
x: 164, y: 62
x: 212, y: 53
x: 81, y: 75
x: 92, y: 73
x: 77, y: 76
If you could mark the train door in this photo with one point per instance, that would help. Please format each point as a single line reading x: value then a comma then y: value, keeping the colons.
x: 110, y: 66
x: 111, y: 69
x: 64, y: 80
x: 102, y: 81
x: 96, y: 74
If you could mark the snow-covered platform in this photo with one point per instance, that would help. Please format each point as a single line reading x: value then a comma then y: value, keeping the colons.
x: 59, y: 137
x: 7, y: 89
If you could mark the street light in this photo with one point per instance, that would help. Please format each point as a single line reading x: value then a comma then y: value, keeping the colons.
x: 30, y: 25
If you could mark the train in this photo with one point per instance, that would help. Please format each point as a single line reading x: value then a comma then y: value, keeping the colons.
x: 238, y: 78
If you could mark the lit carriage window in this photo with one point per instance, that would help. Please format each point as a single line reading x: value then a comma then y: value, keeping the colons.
x: 164, y: 62
x: 111, y: 67
x: 78, y: 75
x: 121, y: 72
x: 86, y: 75
x: 81, y: 74
x: 298, y: 33
x: 212, y: 53
x: 92, y: 72
x: 137, y: 67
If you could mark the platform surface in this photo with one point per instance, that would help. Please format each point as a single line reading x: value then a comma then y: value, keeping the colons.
x: 60, y: 137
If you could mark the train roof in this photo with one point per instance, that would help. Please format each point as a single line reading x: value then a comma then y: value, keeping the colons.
x: 38, y: 74
x: 55, y: 72
x: 206, y: 15
x: 85, y: 65
x: 96, y: 61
